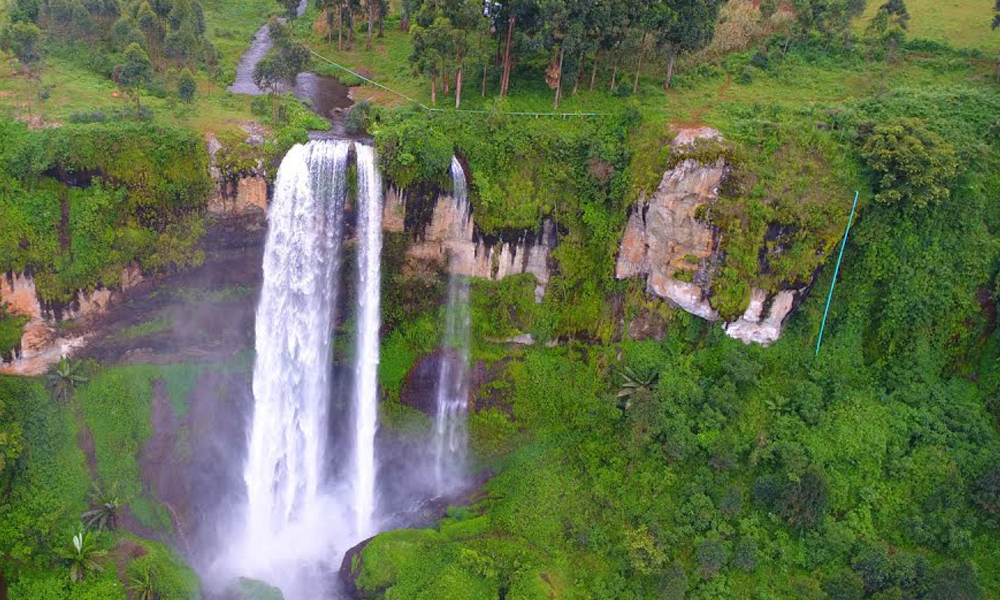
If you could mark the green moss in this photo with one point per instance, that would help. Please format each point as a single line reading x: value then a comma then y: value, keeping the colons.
x: 11, y: 330
x: 156, y: 325
x: 47, y: 486
x: 117, y: 408
x: 251, y: 589
x: 82, y: 202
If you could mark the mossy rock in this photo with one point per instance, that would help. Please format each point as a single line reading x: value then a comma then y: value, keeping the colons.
x: 245, y: 588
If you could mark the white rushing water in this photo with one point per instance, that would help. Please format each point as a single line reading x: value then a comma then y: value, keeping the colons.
x: 369, y: 235
x: 453, y: 376
x: 287, y: 525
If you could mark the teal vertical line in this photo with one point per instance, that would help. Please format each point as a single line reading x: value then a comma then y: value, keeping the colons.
x: 833, y: 283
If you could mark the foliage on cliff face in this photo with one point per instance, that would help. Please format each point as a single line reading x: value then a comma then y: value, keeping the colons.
x: 868, y: 472
x: 81, y: 202
x: 575, y: 172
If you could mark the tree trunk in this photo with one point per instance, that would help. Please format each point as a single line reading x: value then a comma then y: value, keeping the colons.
x: 381, y: 32
x: 482, y: 91
x: 434, y: 97
x: 340, y: 28
x: 593, y: 73
x: 614, y: 76
x: 458, y: 88
x: 555, y: 105
x: 670, y: 69
x: 404, y: 22
x: 638, y: 67
x: 446, y: 82
x: 505, y: 80
x: 371, y: 18
x: 576, y: 82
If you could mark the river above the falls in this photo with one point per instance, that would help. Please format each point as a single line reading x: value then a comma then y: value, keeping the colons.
x: 327, y: 95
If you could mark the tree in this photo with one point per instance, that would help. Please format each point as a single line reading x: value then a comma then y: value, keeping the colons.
x: 134, y: 72
x: 23, y: 41
x: 683, y: 26
x: 431, y: 46
x: 804, y: 501
x: 63, y: 378
x: 890, y: 24
x: 82, y: 554
x: 291, y: 7
x: 279, y: 68
x: 186, y: 86
x: 914, y: 166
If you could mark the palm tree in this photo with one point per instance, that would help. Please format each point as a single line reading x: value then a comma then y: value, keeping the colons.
x: 64, y: 377
x: 634, y: 384
x: 82, y: 555
x: 104, y: 515
x: 143, y: 587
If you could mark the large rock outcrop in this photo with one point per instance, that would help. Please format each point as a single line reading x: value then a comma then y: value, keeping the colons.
x: 235, y: 194
x: 668, y: 241
x: 44, y: 341
x: 449, y: 237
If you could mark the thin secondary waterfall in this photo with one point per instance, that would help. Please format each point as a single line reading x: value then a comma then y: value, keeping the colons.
x: 369, y: 235
x: 291, y: 380
x: 453, y: 377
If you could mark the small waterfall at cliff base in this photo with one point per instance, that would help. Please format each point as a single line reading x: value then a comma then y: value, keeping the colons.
x: 449, y: 440
x: 369, y: 235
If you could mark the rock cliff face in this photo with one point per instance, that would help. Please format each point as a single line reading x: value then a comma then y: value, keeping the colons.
x: 44, y: 342
x: 666, y: 241
x: 234, y: 195
x: 449, y: 238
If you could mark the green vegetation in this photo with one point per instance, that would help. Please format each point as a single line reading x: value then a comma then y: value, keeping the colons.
x: 11, y: 329
x: 80, y: 203
x: 697, y: 467
x: 155, y: 325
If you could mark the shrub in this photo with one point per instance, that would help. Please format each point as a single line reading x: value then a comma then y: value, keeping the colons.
x: 914, y: 166
x: 844, y: 584
x: 186, y: 86
x: 711, y: 557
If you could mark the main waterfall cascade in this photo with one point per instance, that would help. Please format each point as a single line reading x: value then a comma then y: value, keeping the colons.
x: 304, y: 507
x: 369, y: 234
x: 453, y: 376
x: 288, y: 506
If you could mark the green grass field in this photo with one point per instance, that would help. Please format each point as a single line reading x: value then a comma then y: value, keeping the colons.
x: 697, y: 97
x: 961, y: 23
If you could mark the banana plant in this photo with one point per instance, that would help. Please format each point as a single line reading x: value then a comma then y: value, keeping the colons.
x: 64, y: 378
x: 106, y: 505
x: 83, y: 554
x: 633, y: 384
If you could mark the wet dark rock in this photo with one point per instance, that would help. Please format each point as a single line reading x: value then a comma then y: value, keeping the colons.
x: 419, y: 389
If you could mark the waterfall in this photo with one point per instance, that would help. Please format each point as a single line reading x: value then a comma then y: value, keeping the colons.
x: 369, y: 234
x: 453, y: 376
x: 284, y: 472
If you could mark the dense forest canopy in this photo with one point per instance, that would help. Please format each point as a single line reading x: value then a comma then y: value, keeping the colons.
x: 629, y: 449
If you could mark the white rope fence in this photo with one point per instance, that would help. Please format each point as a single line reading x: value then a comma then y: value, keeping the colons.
x: 457, y: 110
